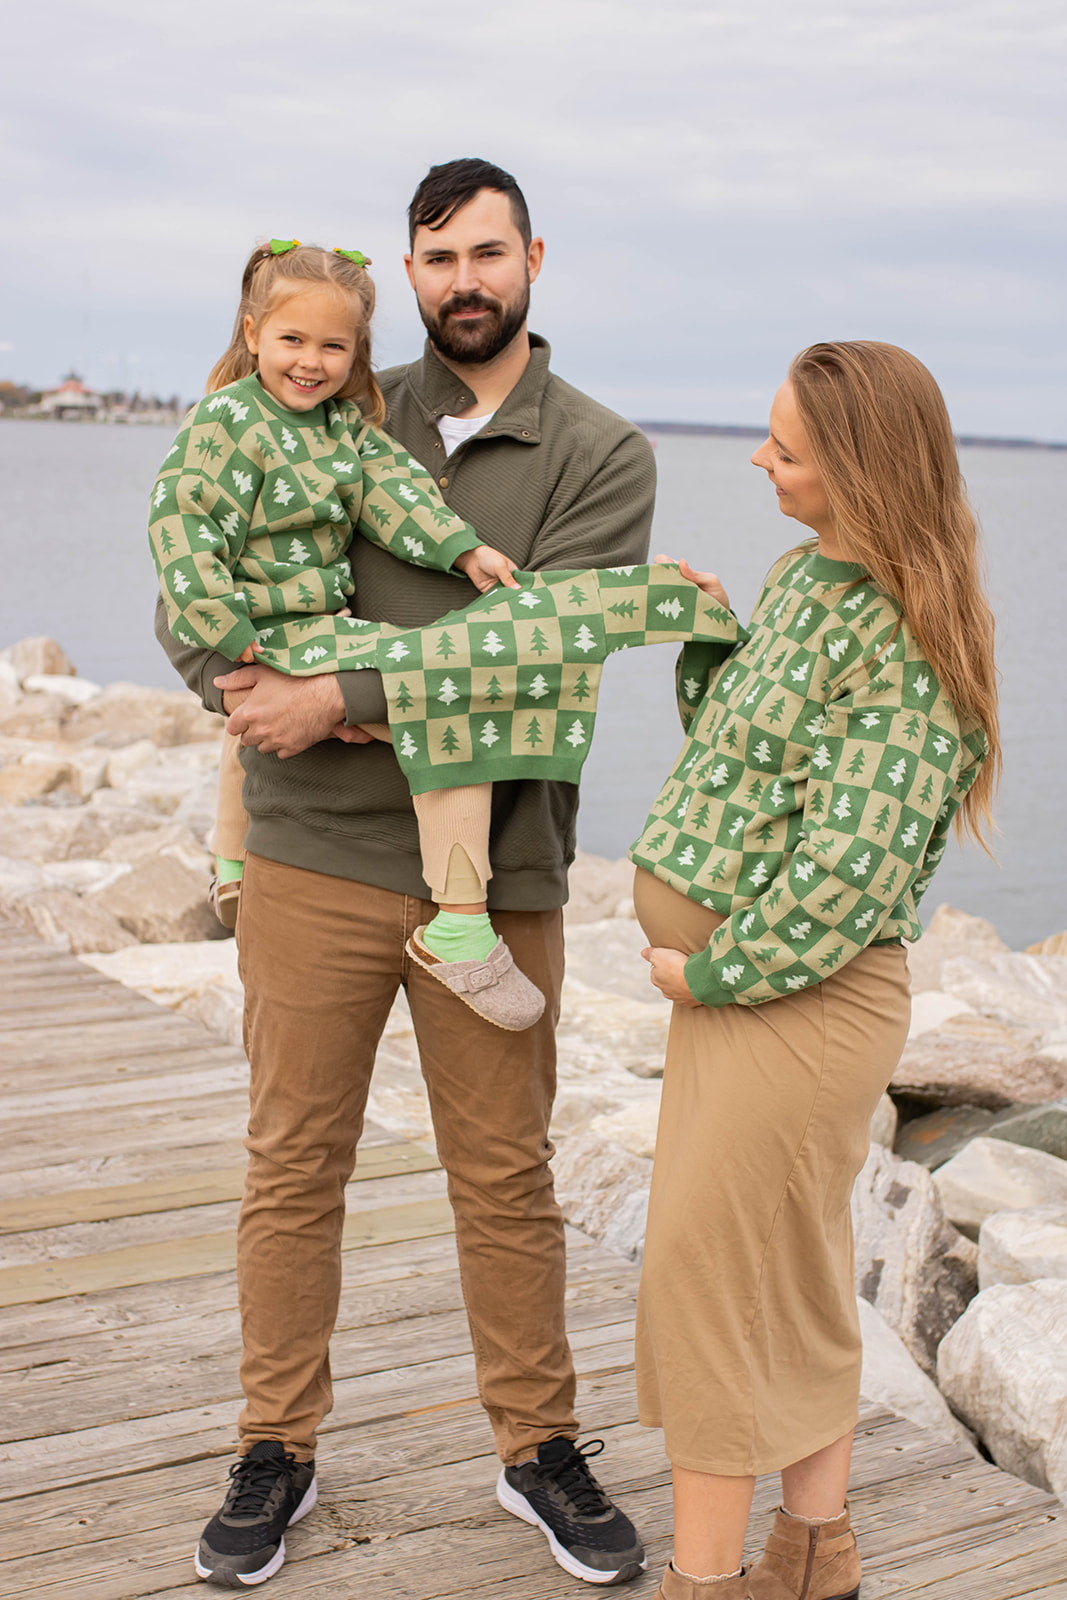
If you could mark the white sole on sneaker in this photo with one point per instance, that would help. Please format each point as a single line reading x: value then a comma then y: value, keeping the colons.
x: 248, y: 1580
x: 519, y: 1506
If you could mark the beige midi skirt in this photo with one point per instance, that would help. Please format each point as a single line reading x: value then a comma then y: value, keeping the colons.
x: 748, y: 1343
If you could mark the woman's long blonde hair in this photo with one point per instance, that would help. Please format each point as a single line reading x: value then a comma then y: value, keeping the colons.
x: 879, y: 433
x: 269, y: 280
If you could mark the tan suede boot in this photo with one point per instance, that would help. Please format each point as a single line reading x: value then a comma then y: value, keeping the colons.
x: 807, y: 1561
x: 674, y: 1587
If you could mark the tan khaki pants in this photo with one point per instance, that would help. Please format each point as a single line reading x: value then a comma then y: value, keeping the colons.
x: 321, y: 959
x: 453, y: 828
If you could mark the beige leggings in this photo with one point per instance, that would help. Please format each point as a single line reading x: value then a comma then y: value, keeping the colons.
x: 453, y: 829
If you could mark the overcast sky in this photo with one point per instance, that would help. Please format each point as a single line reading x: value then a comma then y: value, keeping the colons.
x: 718, y: 184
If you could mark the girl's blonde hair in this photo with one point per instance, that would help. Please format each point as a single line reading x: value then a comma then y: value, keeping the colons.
x: 879, y: 433
x: 269, y: 280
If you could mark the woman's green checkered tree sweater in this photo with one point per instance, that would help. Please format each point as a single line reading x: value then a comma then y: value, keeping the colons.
x: 813, y: 795
x: 252, y: 515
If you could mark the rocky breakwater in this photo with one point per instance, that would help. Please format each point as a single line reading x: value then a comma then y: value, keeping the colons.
x: 960, y: 1213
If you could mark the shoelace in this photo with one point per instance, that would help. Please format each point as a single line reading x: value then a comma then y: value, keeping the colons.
x: 253, y: 1483
x: 573, y: 1476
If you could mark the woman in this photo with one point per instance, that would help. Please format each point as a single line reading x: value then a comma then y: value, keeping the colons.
x: 827, y: 755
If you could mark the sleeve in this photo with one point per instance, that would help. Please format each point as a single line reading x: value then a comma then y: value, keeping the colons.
x: 700, y: 660
x: 607, y: 522
x: 881, y: 782
x: 402, y: 510
x: 199, y: 667
x: 198, y: 524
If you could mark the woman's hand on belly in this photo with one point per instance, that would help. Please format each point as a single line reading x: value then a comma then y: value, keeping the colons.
x: 667, y: 971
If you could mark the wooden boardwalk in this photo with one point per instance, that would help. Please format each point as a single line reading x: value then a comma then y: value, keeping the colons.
x: 120, y: 1169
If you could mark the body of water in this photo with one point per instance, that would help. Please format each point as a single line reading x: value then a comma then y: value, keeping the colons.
x: 73, y: 509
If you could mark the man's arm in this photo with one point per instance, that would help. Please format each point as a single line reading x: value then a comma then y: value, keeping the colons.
x: 607, y: 521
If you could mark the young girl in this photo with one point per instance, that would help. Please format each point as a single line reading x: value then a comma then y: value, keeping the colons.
x: 252, y: 516
x: 251, y: 519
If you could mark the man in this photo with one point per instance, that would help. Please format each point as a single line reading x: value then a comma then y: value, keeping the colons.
x: 332, y: 890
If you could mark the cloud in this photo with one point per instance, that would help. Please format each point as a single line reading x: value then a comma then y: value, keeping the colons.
x: 715, y: 183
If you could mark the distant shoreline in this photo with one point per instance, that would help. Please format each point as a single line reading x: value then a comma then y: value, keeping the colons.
x: 717, y: 430
x: 698, y: 430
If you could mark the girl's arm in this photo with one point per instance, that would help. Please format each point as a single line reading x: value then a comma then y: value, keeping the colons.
x: 401, y: 508
x: 198, y: 524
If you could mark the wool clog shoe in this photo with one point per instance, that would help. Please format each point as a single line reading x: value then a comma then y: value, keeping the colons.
x: 494, y: 988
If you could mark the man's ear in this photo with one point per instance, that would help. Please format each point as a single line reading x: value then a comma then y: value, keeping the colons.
x: 409, y: 270
x: 535, y: 255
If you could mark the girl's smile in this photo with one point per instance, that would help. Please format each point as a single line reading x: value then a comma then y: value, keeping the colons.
x: 304, y: 348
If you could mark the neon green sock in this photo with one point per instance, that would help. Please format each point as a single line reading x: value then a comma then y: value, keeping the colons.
x: 453, y: 936
x: 229, y: 871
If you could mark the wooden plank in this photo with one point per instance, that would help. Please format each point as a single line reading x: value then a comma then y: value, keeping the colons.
x: 42, y: 1329
x: 170, y: 1192
x: 195, y: 1359
x: 185, y: 1258
x: 439, y: 1394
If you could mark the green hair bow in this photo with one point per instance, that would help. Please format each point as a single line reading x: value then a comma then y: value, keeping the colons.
x: 278, y: 247
x: 355, y: 256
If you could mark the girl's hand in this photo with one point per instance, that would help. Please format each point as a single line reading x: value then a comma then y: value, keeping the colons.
x: 707, y: 582
x: 249, y: 653
x: 485, y: 567
x: 667, y: 971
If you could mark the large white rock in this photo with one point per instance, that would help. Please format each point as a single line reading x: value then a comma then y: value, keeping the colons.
x: 1020, y: 1246
x: 603, y: 1189
x: 930, y: 1008
x: 911, y: 1264
x: 1003, y: 1368
x: 124, y: 712
x: 131, y: 759
x: 633, y: 1126
x: 71, y: 922
x: 949, y: 933
x: 1023, y: 991
x: 173, y: 974
x: 75, y: 691
x: 884, y: 1122
x: 38, y: 654
x: 976, y: 1060
x: 162, y: 901
x: 19, y: 879
x: 891, y: 1378
x: 992, y: 1175
x: 598, y: 889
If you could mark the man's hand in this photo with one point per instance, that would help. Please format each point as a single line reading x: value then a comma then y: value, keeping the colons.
x: 708, y: 582
x: 486, y: 567
x: 667, y: 971
x: 279, y: 715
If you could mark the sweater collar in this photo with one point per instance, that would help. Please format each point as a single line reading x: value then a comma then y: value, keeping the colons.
x: 439, y: 392
x: 823, y: 570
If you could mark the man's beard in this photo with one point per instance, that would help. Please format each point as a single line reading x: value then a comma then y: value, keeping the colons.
x: 470, y: 345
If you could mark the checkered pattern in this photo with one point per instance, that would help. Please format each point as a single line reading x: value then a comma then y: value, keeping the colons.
x: 813, y: 795
x: 251, y: 519
x: 508, y: 687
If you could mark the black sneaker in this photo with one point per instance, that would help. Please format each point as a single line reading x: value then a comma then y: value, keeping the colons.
x: 557, y: 1493
x: 245, y: 1542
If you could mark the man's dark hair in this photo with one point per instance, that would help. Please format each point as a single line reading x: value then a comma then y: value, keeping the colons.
x: 446, y: 188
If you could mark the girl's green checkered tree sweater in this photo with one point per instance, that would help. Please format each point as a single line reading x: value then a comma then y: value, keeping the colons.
x: 252, y: 515
x: 813, y: 796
